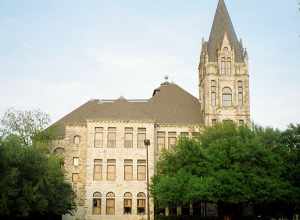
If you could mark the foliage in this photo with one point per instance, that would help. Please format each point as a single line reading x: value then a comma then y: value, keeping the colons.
x: 24, y: 124
x: 230, y: 166
x: 31, y: 181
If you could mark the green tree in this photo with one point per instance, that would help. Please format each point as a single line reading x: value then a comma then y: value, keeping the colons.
x: 230, y: 166
x: 24, y: 124
x: 32, y: 182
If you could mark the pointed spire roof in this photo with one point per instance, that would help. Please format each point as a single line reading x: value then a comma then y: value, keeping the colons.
x: 222, y: 24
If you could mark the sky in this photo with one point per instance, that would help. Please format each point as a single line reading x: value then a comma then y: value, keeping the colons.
x: 55, y: 55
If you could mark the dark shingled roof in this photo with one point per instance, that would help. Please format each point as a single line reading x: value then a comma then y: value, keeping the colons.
x: 222, y: 24
x: 169, y: 104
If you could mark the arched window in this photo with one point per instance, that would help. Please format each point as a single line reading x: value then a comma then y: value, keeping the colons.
x: 141, y: 203
x: 110, y: 203
x: 97, y: 203
x: 213, y: 93
x: 226, y: 97
x: 127, y: 203
x: 59, y: 151
x: 76, y: 140
x: 240, y: 93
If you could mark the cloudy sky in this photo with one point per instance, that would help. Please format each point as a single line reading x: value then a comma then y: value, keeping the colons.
x: 57, y: 54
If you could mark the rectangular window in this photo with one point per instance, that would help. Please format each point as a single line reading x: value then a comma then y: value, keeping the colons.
x: 110, y: 206
x: 98, y: 138
x: 128, y: 138
x: 76, y: 161
x: 128, y: 169
x: 111, y: 137
x: 161, y: 140
x: 111, y: 169
x: 97, y: 206
x: 141, y: 137
x: 171, y: 139
x: 141, y: 169
x: 97, y: 169
x: 75, y: 177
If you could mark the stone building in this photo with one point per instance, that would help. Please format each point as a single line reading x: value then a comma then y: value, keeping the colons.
x: 102, y: 141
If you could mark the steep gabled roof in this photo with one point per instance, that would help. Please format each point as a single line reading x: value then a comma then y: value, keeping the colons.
x: 222, y: 24
x: 169, y: 104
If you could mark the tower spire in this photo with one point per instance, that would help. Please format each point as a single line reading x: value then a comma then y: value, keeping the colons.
x: 223, y: 25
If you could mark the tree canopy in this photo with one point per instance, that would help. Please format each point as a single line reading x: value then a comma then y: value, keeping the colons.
x: 31, y: 181
x: 230, y: 166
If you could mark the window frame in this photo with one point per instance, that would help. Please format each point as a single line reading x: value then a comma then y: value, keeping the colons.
x: 111, y: 163
x: 98, y: 163
x: 227, y: 97
x: 128, y: 163
x: 141, y: 176
x: 140, y: 142
x: 99, y: 131
x: 97, y: 198
x: 112, y: 143
x: 110, y: 197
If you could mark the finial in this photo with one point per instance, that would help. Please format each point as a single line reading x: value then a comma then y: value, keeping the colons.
x: 166, y: 78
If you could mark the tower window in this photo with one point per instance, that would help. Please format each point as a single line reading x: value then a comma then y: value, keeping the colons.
x: 223, y: 66
x: 226, y: 97
x: 240, y: 93
x: 213, y: 93
x: 228, y: 66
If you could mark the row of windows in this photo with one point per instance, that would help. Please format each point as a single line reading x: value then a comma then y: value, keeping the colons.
x: 127, y: 203
x: 111, y: 173
x: 215, y: 121
x: 226, y: 94
x: 128, y: 138
x: 171, y: 139
x: 112, y: 135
